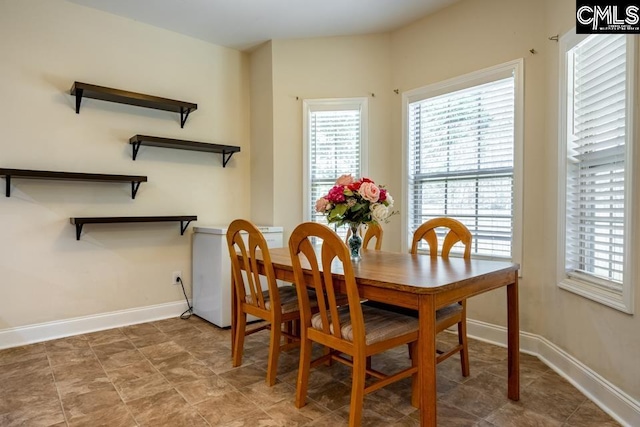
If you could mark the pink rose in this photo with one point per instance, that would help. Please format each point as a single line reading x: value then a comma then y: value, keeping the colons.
x: 344, y: 180
x: 321, y: 205
x: 369, y: 191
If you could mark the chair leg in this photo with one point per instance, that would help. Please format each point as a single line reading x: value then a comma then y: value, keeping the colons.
x: 274, y: 353
x: 464, y: 353
x: 303, y: 371
x: 415, y: 380
x: 326, y: 351
x: 296, y: 328
x: 238, y: 345
x: 357, y: 390
x: 289, y: 328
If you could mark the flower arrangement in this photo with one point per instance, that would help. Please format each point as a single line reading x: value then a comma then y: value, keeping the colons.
x: 355, y: 202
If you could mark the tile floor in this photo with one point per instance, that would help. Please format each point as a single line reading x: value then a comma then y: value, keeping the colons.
x: 178, y: 373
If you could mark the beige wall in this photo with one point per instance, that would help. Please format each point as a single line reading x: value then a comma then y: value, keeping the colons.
x: 262, y: 148
x: 604, y: 339
x: 466, y: 37
x: 47, y: 44
x: 475, y: 34
x: 334, y: 67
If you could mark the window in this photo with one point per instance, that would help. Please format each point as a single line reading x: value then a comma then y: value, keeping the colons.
x: 464, y: 155
x: 595, y: 167
x: 335, y: 141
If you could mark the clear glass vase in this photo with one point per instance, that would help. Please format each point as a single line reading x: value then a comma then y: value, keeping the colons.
x: 355, y: 241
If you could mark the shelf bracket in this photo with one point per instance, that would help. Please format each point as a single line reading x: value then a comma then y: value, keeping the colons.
x: 78, y: 231
x: 226, y: 157
x: 136, y: 147
x: 183, y: 226
x: 7, y: 178
x: 78, y: 99
x: 134, y: 188
x: 184, y: 113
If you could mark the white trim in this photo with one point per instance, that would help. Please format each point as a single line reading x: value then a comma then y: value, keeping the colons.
x: 518, y: 164
x: 596, y: 293
x: 405, y: 242
x: 504, y: 70
x: 589, y: 287
x: 615, y: 402
x: 30, y: 334
x: 331, y: 104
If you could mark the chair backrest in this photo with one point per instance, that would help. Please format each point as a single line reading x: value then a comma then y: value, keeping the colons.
x: 458, y: 232
x: 334, y: 256
x: 250, y: 291
x: 371, y: 231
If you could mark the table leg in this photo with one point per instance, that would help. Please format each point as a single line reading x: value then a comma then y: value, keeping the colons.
x: 513, y: 340
x: 427, y: 360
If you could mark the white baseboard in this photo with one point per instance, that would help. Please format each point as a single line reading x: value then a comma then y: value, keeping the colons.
x: 24, y: 335
x: 622, y: 407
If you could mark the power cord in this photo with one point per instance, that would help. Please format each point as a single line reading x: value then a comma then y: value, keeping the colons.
x: 189, y: 311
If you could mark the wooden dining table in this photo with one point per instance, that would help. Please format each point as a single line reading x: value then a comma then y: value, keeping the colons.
x: 426, y: 284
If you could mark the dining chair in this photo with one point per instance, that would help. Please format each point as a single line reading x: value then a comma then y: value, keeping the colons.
x: 276, y: 305
x: 455, y: 313
x: 353, y: 330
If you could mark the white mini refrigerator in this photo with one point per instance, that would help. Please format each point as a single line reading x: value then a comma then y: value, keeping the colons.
x: 212, y: 272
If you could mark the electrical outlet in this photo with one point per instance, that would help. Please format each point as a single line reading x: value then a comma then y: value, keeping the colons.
x: 175, y: 276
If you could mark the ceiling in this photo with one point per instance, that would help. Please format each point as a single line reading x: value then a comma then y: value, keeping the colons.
x: 242, y: 24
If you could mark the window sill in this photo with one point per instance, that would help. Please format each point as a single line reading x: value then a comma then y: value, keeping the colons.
x: 597, y: 294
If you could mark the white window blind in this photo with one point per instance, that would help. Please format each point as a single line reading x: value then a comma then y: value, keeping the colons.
x: 596, y: 161
x: 461, y: 162
x: 335, y: 138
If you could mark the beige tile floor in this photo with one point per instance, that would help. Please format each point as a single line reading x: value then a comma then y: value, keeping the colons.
x: 178, y: 373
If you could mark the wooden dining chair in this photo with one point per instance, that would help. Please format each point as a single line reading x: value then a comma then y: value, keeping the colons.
x: 455, y: 313
x: 276, y: 305
x: 353, y: 330
x: 371, y: 231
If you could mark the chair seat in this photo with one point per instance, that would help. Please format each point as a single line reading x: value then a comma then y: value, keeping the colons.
x: 288, y: 299
x: 379, y: 324
x: 449, y: 311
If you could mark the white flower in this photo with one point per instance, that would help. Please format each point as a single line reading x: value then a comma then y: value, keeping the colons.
x: 389, y: 200
x: 379, y: 212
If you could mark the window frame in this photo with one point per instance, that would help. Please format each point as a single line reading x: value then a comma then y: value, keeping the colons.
x: 515, y: 68
x: 330, y: 104
x: 595, y: 289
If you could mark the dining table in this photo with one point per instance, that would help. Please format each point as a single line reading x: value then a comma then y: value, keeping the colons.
x: 425, y: 284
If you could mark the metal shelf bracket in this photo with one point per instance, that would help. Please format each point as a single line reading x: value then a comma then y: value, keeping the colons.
x: 226, y: 157
x: 134, y: 188
x: 183, y: 226
x: 184, y: 113
x: 78, y: 231
x: 135, y: 146
x: 78, y: 99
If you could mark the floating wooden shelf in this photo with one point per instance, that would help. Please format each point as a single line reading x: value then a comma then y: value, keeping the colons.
x: 155, y: 141
x: 80, y: 222
x: 102, y: 93
x: 71, y: 176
